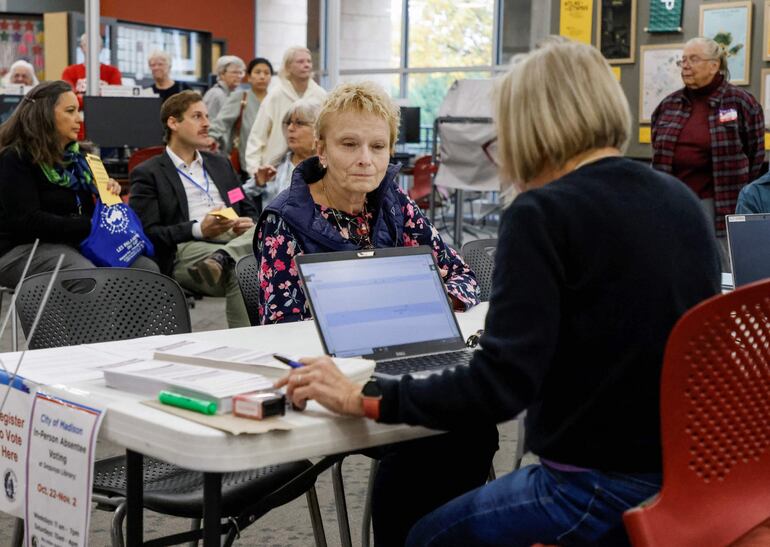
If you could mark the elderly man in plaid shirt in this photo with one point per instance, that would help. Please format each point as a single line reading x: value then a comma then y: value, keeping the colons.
x: 710, y: 134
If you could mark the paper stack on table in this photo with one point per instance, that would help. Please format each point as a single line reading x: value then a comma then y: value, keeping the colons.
x: 249, y: 360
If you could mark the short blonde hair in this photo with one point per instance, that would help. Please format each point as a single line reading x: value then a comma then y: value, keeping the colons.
x: 160, y: 54
x: 714, y: 52
x: 360, y: 97
x: 554, y: 103
x: 288, y: 58
x: 224, y: 62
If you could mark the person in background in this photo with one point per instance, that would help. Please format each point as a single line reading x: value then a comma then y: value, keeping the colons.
x: 754, y: 197
x: 175, y: 195
x: 46, y: 188
x: 21, y: 73
x: 266, y: 142
x: 298, y: 125
x: 584, y: 257
x: 709, y: 134
x: 75, y: 75
x: 232, y: 125
x: 160, y: 65
x: 230, y: 70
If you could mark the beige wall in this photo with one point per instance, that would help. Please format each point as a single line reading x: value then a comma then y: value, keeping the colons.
x: 280, y: 25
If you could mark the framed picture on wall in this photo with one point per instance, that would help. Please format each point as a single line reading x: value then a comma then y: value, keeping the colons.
x: 616, y: 31
x: 729, y: 24
x: 766, y: 34
x: 658, y: 76
x: 764, y: 95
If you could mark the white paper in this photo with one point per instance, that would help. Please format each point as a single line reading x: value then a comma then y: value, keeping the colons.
x: 60, y: 463
x: 66, y: 366
x: 14, y: 432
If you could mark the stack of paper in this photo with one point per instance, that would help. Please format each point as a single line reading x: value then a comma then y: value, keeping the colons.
x: 248, y: 360
x: 216, y: 385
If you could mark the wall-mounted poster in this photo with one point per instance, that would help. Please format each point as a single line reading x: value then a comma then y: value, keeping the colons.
x: 665, y: 16
x: 658, y: 76
x: 764, y: 95
x: 616, y: 31
x: 766, y: 34
x: 576, y: 20
x: 729, y: 24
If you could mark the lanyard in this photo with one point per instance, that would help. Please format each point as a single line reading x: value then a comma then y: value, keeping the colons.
x: 201, y: 188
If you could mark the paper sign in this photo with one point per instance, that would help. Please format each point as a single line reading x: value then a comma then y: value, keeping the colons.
x: 101, y: 178
x: 645, y: 135
x: 235, y: 195
x: 14, y: 431
x: 616, y: 72
x: 575, y: 20
x: 767, y: 141
x: 228, y: 213
x: 60, y: 462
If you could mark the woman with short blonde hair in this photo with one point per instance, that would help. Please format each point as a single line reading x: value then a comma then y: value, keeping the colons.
x: 598, y: 256
x: 159, y: 62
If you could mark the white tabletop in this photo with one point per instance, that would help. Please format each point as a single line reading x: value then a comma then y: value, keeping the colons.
x: 152, y: 432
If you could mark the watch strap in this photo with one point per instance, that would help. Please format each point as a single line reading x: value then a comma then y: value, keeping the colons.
x: 372, y: 407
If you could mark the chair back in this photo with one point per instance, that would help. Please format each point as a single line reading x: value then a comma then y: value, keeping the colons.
x: 422, y: 172
x: 100, y: 305
x: 480, y: 256
x: 247, y: 273
x: 715, y: 425
x: 143, y: 154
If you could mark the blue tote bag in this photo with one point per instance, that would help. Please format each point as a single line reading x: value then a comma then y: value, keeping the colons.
x: 116, y: 238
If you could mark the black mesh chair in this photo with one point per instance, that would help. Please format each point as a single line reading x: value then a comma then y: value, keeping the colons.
x: 106, y: 304
x: 480, y: 256
x: 246, y: 271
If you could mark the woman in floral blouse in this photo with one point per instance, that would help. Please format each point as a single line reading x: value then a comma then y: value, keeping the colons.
x: 346, y: 198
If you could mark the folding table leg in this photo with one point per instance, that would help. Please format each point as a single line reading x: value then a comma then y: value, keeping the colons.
x: 134, y: 499
x: 212, y: 509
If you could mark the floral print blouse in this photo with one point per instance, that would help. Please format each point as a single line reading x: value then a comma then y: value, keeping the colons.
x: 281, y: 298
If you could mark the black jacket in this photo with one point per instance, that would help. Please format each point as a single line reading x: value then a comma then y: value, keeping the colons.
x: 32, y: 207
x: 158, y: 197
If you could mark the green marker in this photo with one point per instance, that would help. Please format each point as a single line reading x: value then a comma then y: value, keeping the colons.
x: 196, y: 405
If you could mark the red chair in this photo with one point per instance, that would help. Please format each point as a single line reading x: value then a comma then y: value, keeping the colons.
x: 423, y: 172
x: 715, y: 422
x: 143, y: 154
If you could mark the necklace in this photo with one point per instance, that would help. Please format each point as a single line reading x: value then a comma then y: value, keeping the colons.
x: 363, y: 238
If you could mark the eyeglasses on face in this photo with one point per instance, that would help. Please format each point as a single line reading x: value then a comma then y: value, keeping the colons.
x: 236, y: 72
x: 691, y: 60
x: 297, y: 123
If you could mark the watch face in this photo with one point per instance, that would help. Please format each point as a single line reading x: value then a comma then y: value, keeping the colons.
x: 371, y: 389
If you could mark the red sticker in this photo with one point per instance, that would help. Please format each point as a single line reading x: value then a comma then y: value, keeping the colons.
x: 235, y: 195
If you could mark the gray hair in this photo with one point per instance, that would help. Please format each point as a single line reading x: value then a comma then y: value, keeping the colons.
x: 307, y: 109
x: 714, y: 52
x: 21, y: 63
x: 160, y: 54
x: 288, y: 57
x: 224, y: 62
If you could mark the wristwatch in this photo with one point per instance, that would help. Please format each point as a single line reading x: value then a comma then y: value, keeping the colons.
x: 371, y: 394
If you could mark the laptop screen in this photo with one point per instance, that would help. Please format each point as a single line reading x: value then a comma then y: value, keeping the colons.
x: 748, y: 238
x: 379, y: 306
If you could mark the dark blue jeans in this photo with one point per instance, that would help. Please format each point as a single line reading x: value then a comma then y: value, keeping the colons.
x: 538, y: 504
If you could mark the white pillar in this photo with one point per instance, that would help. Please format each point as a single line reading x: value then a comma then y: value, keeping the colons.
x: 94, y: 47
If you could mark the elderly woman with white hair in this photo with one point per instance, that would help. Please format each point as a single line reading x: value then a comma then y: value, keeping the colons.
x: 598, y: 257
x: 709, y: 134
x: 160, y: 66
x: 21, y: 73
x: 230, y: 72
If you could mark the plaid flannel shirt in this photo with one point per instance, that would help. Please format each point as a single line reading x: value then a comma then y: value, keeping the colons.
x: 737, y: 129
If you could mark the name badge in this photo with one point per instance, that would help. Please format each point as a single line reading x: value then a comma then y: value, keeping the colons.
x: 235, y: 195
x: 729, y: 115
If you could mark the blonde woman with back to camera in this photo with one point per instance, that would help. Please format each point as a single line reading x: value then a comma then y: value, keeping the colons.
x: 598, y: 256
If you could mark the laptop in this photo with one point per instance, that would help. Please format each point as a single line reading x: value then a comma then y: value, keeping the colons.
x: 389, y: 305
x: 748, y: 239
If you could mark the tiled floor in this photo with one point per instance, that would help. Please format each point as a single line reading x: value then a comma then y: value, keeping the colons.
x: 286, y: 526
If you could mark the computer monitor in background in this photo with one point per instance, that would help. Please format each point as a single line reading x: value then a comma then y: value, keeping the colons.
x: 8, y: 104
x: 123, y: 121
x: 409, y: 130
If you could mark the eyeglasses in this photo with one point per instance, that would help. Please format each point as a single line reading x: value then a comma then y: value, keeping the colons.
x: 297, y: 123
x: 691, y: 60
x: 236, y: 72
x: 490, y: 151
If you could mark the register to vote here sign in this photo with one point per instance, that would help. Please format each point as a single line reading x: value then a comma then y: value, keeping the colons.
x: 60, y: 461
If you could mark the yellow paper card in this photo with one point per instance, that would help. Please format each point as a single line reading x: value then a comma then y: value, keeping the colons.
x: 767, y: 141
x: 101, y: 178
x: 616, y: 72
x: 228, y: 213
x: 645, y: 134
x: 575, y: 20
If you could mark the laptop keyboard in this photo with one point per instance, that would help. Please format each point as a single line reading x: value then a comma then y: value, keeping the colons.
x: 422, y: 363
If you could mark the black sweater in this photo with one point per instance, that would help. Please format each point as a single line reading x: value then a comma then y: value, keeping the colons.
x: 592, y: 271
x: 32, y: 207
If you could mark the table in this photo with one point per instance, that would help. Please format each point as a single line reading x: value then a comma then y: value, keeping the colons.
x: 147, y: 431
